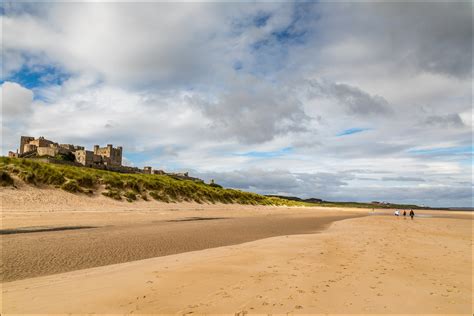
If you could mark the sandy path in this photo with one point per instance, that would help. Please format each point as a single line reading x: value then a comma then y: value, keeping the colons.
x: 374, y: 264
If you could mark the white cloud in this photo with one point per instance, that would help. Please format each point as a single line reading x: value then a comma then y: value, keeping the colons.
x: 16, y: 100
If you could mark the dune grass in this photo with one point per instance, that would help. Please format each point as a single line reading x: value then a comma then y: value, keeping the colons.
x: 129, y: 187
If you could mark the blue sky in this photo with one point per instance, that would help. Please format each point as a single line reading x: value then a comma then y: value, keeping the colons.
x: 353, y: 130
x: 305, y: 99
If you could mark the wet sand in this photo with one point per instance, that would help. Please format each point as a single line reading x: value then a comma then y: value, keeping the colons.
x: 41, y: 251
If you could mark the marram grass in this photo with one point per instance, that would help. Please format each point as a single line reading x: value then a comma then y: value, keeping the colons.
x: 129, y: 187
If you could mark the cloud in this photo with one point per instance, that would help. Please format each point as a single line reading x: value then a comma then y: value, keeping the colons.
x: 340, y: 186
x: 16, y: 110
x: 16, y: 100
x: 447, y: 120
x: 129, y: 44
x: 415, y: 37
x: 403, y: 179
x: 354, y: 100
x: 278, y: 181
x: 225, y: 89
x: 255, y: 114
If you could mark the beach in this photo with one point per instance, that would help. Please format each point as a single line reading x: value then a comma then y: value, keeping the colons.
x: 229, y: 258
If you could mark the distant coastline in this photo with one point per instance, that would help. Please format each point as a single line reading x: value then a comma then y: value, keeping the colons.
x: 374, y: 204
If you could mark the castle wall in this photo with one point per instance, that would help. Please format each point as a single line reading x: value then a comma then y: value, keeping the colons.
x: 28, y: 148
x: 71, y: 147
x: 42, y: 142
x: 51, y: 151
x: 47, y: 151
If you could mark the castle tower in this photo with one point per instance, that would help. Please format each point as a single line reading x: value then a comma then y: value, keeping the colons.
x: 23, y: 141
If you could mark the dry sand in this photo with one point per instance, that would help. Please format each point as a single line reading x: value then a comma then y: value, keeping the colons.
x: 373, y: 264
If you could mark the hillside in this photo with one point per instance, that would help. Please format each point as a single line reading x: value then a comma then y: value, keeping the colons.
x: 129, y: 187
x: 321, y: 202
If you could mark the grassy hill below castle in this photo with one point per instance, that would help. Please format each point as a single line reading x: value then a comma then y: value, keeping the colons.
x: 120, y: 186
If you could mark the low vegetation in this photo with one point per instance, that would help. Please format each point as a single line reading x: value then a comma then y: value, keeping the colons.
x: 129, y: 187
x: 5, y: 179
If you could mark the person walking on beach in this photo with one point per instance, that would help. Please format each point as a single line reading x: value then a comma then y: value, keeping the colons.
x: 404, y: 213
x: 412, y: 214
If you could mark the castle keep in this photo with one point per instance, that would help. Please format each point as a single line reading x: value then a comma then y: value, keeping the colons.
x: 101, y: 157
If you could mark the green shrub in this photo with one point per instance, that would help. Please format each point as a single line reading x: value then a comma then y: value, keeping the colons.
x: 134, y: 185
x: 113, y: 182
x: 5, y: 179
x: 55, y: 179
x: 28, y: 177
x: 65, y: 157
x: 86, y: 181
x: 71, y: 186
x: 130, y: 196
x: 114, y: 194
x: 159, y: 197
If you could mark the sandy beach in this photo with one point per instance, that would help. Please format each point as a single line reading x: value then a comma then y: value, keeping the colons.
x: 229, y: 258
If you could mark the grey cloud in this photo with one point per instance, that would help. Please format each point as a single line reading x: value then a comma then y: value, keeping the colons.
x: 403, y: 179
x: 283, y: 182
x: 431, y: 196
x: 436, y: 36
x: 431, y: 37
x: 448, y: 120
x: 254, y: 115
x: 354, y: 100
x: 336, y: 187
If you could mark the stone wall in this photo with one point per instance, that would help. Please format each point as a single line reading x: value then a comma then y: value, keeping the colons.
x: 51, y: 151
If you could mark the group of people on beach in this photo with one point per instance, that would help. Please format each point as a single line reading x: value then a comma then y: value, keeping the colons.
x: 412, y: 214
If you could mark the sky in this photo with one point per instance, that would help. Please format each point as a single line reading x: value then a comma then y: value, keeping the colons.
x: 341, y: 101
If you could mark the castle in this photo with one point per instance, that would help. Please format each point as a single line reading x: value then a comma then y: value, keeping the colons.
x: 107, y: 158
x: 100, y: 157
